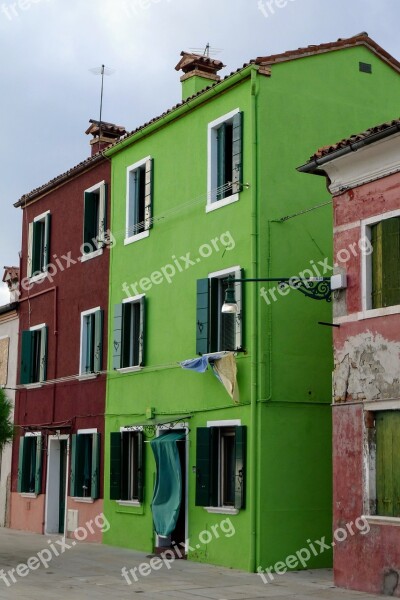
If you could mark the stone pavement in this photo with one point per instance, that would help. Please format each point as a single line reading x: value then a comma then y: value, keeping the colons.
x: 94, y: 571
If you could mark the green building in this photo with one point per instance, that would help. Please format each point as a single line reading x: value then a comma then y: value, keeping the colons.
x: 206, y: 191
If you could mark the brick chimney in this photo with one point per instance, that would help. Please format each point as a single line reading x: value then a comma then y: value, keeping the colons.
x: 103, y: 136
x: 11, y: 278
x: 199, y: 72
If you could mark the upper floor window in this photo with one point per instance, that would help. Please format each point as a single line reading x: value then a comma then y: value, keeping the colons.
x: 225, y: 164
x: 385, y: 263
x: 94, y: 219
x: 38, y: 245
x: 217, y: 331
x: 34, y: 355
x: 91, y: 341
x: 139, y: 200
x: 129, y: 333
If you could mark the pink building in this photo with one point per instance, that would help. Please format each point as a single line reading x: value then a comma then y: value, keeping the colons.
x: 363, y: 175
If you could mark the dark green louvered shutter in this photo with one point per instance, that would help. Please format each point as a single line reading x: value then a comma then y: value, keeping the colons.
x: 46, y: 248
x: 142, y: 331
x: 204, y: 466
x: 240, y: 466
x: 98, y: 341
x: 115, y: 466
x: 22, y: 483
x: 95, y: 487
x: 117, y: 341
x: 140, y: 463
x: 90, y: 220
x: 75, y: 491
x: 38, y: 244
x: 202, y: 317
x: 385, y: 239
x: 103, y: 214
x: 126, y: 341
x: 43, y: 353
x: 221, y: 161
x: 388, y: 463
x: 148, y: 194
x: 26, y: 357
x: 38, y: 465
x: 237, y: 153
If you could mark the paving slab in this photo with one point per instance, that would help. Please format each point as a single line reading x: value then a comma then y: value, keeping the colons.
x: 91, y: 571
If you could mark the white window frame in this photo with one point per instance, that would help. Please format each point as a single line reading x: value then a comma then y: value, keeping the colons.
x: 236, y: 272
x: 212, y: 167
x: 82, y: 349
x: 366, y: 271
x: 39, y: 276
x: 101, y: 186
x: 129, y: 239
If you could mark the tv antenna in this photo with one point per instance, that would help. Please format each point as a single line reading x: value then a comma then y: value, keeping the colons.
x: 207, y: 51
x: 103, y: 70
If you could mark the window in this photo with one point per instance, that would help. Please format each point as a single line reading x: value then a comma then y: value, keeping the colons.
x: 85, y: 465
x: 126, y: 466
x: 225, y: 159
x: 129, y: 333
x: 30, y: 464
x: 385, y: 263
x: 387, y: 424
x: 38, y: 245
x: 94, y: 219
x: 139, y: 200
x: 220, y: 466
x: 216, y: 331
x: 91, y: 341
x: 34, y: 355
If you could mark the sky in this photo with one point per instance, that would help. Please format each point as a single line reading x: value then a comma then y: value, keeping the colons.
x: 48, y: 48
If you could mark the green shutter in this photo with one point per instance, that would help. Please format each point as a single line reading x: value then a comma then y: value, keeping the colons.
x: 391, y: 261
x: 43, y: 353
x: 98, y: 341
x: 202, y: 317
x: 148, y: 194
x: 239, y: 274
x: 240, y: 466
x: 237, y: 168
x: 46, y: 248
x: 21, y: 486
x: 203, y: 466
x: 215, y: 316
x: 221, y: 161
x: 30, y: 251
x: 140, y: 463
x: 26, y: 357
x: 37, y: 247
x: 142, y: 331
x: 38, y: 469
x: 138, y: 200
x: 95, y: 487
x: 117, y: 340
x: 102, y: 214
x: 74, y: 467
x: 90, y: 224
x: 388, y: 463
x: 115, y: 466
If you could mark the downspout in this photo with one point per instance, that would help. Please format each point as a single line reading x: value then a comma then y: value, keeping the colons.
x: 254, y: 331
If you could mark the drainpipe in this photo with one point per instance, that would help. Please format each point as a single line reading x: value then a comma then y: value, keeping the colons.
x: 66, y: 490
x: 254, y: 332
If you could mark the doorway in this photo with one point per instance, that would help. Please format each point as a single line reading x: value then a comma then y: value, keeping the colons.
x: 56, y: 484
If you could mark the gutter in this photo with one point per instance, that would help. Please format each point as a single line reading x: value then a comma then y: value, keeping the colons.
x: 8, y: 308
x: 184, y: 108
x: 314, y: 165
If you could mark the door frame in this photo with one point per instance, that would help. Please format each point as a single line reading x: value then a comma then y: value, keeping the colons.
x: 185, y: 427
x: 53, y: 491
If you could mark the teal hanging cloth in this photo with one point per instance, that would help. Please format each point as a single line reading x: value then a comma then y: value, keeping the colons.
x: 167, y: 496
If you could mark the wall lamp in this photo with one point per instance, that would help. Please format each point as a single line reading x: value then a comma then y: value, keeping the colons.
x: 316, y: 288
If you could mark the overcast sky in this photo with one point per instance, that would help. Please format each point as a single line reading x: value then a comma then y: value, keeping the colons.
x: 48, y: 47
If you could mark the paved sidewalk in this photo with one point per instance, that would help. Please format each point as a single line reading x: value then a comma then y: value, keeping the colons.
x: 94, y: 571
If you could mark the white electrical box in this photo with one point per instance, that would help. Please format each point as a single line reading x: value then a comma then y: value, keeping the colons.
x: 72, y: 520
x: 339, y: 282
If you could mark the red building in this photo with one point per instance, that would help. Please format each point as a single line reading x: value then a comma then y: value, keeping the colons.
x: 363, y: 175
x: 57, y: 463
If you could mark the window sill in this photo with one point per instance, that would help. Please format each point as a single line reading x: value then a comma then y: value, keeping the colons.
x: 136, y: 238
x: 84, y: 500
x: 33, y: 386
x: 91, y: 255
x: 134, y: 503
x: 87, y: 376
x: 379, y: 312
x: 28, y: 495
x: 376, y: 520
x: 220, y: 203
x: 37, y: 278
x: 222, y: 510
x: 129, y: 369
